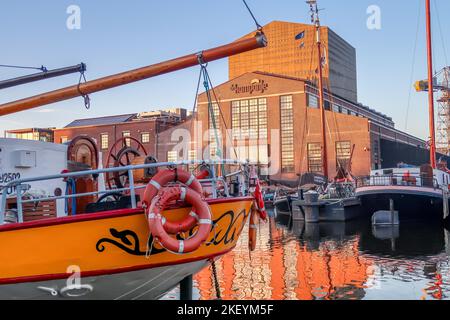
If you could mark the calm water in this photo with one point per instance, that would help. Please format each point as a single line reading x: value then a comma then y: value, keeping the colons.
x: 333, y: 261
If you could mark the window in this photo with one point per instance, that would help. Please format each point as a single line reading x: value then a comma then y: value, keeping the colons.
x: 172, y: 156
x: 104, y: 141
x: 253, y: 119
x: 214, y: 123
x: 315, y: 157
x: 192, y: 155
x: 127, y: 134
x: 336, y: 108
x: 262, y: 107
x: 63, y: 139
x: 249, y: 122
x: 145, y: 137
x: 375, y: 155
x: 287, y: 134
x: 343, y: 153
x: 249, y: 119
x: 313, y: 101
x: 245, y: 123
x: 235, y: 119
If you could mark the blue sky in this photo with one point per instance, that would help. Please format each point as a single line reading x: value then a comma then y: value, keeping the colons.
x: 120, y: 35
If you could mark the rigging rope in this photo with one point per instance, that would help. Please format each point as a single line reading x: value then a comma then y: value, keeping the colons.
x: 212, y: 116
x: 210, y: 85
x: 258, y: 26
x: 194, y: 137
x: 413, y: 65
x: 441, y: 33
x: 42, y: 68
x: 220, y: 111
x: 208, y: 89
x: 211, y: 110
x: 304, y: 151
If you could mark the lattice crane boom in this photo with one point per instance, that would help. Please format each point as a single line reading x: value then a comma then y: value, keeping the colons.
x: 441, y: 85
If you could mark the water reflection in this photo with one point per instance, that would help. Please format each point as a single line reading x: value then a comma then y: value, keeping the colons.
x: 334, y: 261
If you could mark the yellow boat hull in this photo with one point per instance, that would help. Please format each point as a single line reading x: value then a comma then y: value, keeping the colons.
x: 108, y: 244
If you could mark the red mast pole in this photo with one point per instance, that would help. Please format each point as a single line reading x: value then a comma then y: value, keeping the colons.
x: 430, y: 87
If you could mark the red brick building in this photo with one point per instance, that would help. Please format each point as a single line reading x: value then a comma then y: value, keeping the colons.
x: 275, y: 120
x: 107, y: 130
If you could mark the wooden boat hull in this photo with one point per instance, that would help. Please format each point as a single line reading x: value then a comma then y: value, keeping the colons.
x: 113, y: 245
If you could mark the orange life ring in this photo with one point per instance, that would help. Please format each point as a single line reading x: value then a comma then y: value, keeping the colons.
x: 158, y: 229
x: 252, y: 229
x: 181, y: 226
x: 259, y: 201
x: 161, y: 179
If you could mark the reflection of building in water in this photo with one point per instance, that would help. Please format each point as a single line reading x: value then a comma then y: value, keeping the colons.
x: 283, y: 268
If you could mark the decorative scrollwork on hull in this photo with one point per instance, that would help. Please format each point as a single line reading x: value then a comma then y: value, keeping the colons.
x: 129, y: 242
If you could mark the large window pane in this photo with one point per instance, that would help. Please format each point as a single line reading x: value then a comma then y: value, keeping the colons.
x: 287, y: 134
x: 314, y: 157
x: 104, y: 140
x: 249, y: 124
x: 343, y: 153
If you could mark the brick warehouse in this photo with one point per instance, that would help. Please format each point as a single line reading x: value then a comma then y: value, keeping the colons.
x: 274, y: 88
x: 257, y: 103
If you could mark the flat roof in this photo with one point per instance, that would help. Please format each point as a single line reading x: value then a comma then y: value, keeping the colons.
x: 101, y: 120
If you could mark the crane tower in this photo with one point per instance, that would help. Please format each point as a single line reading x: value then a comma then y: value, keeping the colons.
x: 441, y: 84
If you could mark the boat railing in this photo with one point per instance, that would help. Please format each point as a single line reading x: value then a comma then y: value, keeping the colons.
x: 340, y: 190
x: 410, y: 180
x: 20, y: 187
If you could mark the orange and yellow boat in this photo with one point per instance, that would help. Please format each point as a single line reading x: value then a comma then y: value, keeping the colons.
x: 108, y: 255
x: 53, y: 245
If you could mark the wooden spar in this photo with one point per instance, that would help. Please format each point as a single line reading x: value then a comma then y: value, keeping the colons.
x: 47, y: 74
x: 127, y: 77
x: 316, y: 20
x: 430, y: 88
x: 322, y: 108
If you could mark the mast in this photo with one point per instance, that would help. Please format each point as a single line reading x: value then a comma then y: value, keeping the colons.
x: 127, y: 77
x: 315, y: 19
x: 430, y: 88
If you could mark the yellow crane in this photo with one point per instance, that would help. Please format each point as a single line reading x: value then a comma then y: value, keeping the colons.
x: 441, y: 84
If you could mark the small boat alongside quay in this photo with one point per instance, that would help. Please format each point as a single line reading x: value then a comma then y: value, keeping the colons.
x: 417, y: 193
x: 283, y: 202
x: 411, y: 191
